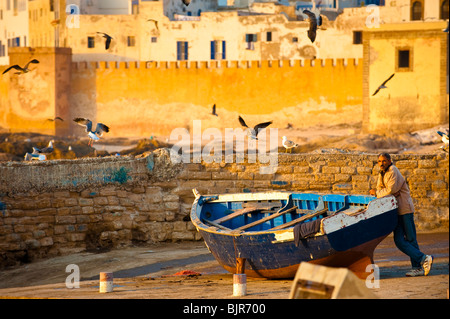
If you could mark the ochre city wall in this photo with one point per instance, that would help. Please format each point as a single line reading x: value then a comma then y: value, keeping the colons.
x: 148, y: 98
x: 140, y: 99
x: 64, y: 206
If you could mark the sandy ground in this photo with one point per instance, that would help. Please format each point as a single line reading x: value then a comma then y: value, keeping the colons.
x: 150, y: 272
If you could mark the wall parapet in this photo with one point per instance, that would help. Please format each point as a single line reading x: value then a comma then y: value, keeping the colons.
x: 216, y: 64
x: 65, y: 206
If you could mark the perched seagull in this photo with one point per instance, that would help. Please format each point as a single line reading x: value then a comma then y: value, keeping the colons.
x: 21, y: 70
x: 444, y: 139
x: 93, y: 135
x: 288, y: 145
x: 214, y: 110
x: 31, y: 157
x: 108, y: 39
x: 383, y: 85
x: 314, y: 22
x: 186, y: 2
x: 156, y: 23
x: 253, y: 132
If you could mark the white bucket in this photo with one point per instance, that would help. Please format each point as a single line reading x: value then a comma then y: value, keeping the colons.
x: 106, y: 282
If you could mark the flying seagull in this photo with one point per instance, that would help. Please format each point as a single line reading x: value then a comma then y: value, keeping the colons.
x: 156, y: 23
x: 108, y: 39
x: 383, y: 85
x: 45, y: 150
x: 444, y: 139
x: 39, y: 153
x: 186, y: 2
x: 253, y: 132
x: 214, y: 110
x: 288, y: 145
x: 54, y: 119
x: 93, y: 135
x: 21, y: 70
x: 314, y: 22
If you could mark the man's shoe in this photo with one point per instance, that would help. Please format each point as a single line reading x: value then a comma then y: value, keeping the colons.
x: 415, y: 272
x: 426, y: 264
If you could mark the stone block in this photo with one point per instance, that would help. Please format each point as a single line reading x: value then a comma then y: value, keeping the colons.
x: 46, y: 241
x: 342, y: 178
x: 406, y: 164
x: 101, y: 201
x: 301, y: 170
x: 108, y: 191
x: 85, y: 201
x: 179, y: 226
x: 331, y: 170
x: 182, y: 236
x: 427, y: 163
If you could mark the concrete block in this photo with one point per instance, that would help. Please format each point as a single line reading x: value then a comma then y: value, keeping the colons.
x: 320, y: 282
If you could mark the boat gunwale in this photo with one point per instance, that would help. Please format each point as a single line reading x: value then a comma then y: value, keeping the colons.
x: 199, y: 224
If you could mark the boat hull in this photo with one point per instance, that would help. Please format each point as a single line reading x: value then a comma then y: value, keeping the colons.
x: 276, y: 254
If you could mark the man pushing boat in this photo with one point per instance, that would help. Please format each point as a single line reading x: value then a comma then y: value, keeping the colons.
x: 391, y: 182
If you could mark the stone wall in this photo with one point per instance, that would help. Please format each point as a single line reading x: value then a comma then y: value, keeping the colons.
x: 64, y: 206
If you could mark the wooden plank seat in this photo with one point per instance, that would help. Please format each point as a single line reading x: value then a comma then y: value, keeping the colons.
x: 306, y: 217
x: 300, y: 219
x: 263, y: 220
x: 254, y: 207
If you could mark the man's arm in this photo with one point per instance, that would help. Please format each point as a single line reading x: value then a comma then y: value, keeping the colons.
x: 392, y: 182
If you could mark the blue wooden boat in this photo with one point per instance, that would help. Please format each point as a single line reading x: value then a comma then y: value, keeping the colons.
x: 276, y: 231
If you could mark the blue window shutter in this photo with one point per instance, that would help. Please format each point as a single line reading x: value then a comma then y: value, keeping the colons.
x: 223, y: 50
x: 178, y: 50
x: 213, y: 52
x: 186, y: 50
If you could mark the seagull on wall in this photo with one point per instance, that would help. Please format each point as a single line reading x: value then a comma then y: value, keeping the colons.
x: 108, y: 39
x: 93, y: 135
x: 213, y: 112
x: 445, y: 140
x: 253, y: 132
x: 288, y: 145
x: 383, y: 85
x: 314, y: 22
x: 186, y: 2
x: 21, y: 70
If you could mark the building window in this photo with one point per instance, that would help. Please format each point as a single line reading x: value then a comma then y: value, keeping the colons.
x: 131, y: 41
x: 91, y: 42
x: 52, y: 6
x: 154, y: 39
x: 182, y: 50
x: 218, y: 50
x: 444, y: 9
x: 294, y: 40
x: 269, y: 36
x: 417, y: 10
x: 357, y: 37
x: 250, y: 39
x: 404, y: 60
x: 135, y: 9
